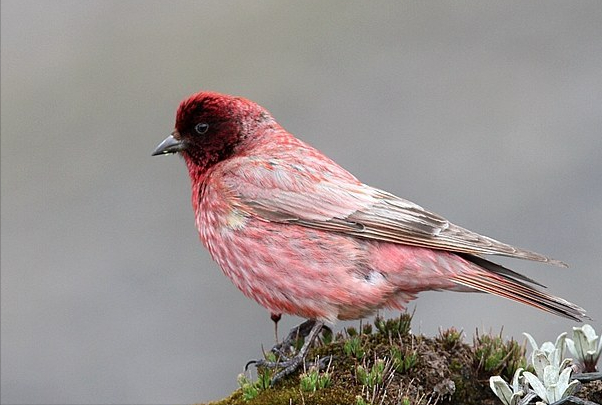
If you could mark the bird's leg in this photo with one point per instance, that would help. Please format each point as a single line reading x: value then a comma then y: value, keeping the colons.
x: 275, y: 318
x: 289, y: 343
x: 291, y: 365
x: 301, y: 331
x: 309, y: 329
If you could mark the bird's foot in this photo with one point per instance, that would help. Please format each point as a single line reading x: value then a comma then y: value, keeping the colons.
x: 286, y: 365
x: 297, y: 336
x: 289, y: 366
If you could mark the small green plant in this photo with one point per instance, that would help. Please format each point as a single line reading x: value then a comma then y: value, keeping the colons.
x: 354, y: 347
x: 403, y: 360
x: 494, y: 356
x: 314, y: 380
x: 395, y: 326
x: 264, y: 379
x: 372, y: 377
x: 375, y: 380
x: 327, y: 336
x: 450, y: 338
x: 586, y: 347
x: 250, y: 390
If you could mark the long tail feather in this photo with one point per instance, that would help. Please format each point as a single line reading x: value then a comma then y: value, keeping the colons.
x: 501, y: 284
x: 498, y: 269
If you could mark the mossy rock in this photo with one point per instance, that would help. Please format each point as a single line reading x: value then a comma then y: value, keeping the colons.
x: 417, y: 370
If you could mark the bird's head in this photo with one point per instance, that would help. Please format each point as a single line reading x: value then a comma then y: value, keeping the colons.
x: 211, y: 127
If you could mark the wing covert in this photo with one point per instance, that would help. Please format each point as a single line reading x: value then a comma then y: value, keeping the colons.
x: 322, y: 195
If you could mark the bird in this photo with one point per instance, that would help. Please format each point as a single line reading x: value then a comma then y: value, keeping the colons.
x: 300, y: 235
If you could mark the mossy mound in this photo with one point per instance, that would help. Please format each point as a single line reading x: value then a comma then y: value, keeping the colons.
x: 387, y: 364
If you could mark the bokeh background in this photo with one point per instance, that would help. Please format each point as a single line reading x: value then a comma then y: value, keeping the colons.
x: 489, y: 113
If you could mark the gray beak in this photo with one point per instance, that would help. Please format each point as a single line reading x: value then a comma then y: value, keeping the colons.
x: 168, y: 146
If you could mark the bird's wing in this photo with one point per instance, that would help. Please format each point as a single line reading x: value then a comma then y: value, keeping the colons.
x: 325, y: 196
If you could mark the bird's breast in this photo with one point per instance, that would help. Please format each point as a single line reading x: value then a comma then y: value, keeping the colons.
x: 217, y: 216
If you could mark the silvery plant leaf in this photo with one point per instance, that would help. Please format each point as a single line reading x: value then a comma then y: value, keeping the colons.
x: 537, y: 385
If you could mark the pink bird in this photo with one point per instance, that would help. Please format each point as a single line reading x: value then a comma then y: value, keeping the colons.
x: 300, y: 235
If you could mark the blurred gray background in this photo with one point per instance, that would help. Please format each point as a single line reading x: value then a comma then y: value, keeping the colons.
x: 488, y: 113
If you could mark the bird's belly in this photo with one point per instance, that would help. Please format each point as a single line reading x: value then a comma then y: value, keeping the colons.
x: 296, y: 270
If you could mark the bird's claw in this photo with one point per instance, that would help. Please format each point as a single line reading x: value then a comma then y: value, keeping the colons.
x: 288, y: 365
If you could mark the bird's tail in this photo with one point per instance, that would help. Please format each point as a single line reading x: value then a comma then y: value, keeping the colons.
x: 492, y: 278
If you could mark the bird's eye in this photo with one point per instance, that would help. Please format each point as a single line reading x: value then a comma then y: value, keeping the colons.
x: 201, y: 128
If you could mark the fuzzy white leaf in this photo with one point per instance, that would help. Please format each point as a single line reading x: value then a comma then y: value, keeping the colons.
x: 564, y: 377
x: 532, y: 341
x: 537, y: 386
x: 554, y: 358
x: 528, y: 397
x: 570, y: 389
x: 540, y: 361
x: 565, y: 363
x: 586, y: 347
x: 561, y: 344
x: 501, y: 389
x: 550, y: 375
x: 547, y: 347
x: 517, y: 380
x: 589, y: 332
x: 572, y: 348
x: 551, y: 394
x: 581, y: 342
x: 562, y: 386
x: 516, y: 398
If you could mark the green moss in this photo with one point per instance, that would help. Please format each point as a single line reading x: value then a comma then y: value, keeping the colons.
x: 403, y: 360
x: 449, y: 338
x: 314, y: 379
x: 494, y: 356
x: 353, y: 347
x: 395, y: 326
x: 398, y: 368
